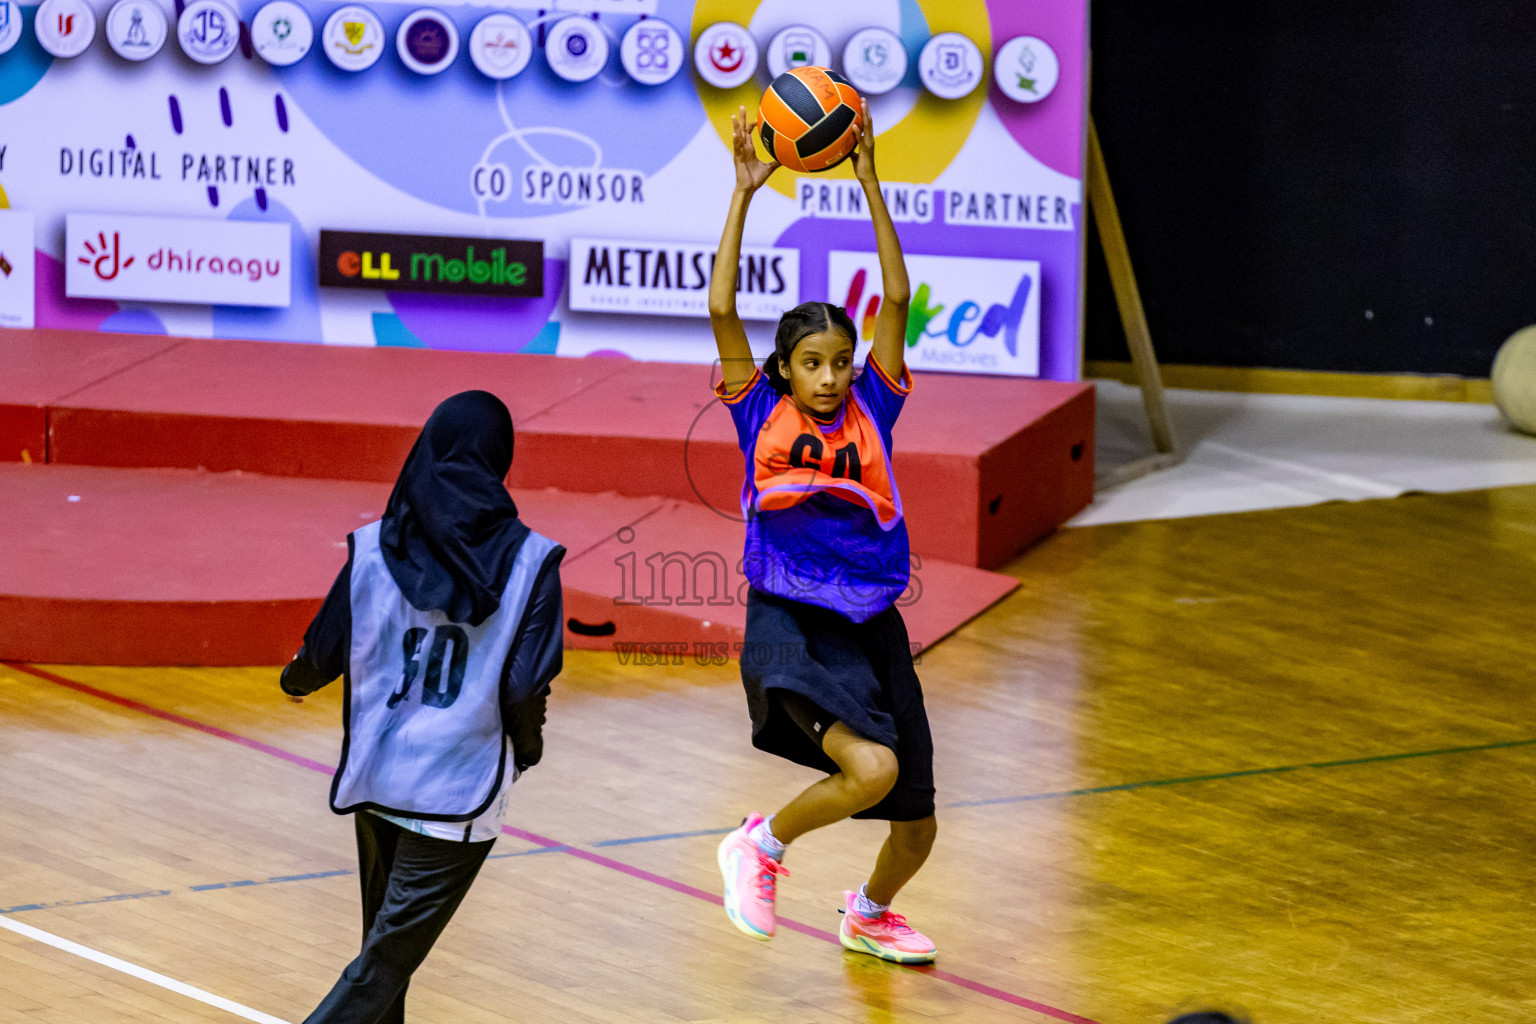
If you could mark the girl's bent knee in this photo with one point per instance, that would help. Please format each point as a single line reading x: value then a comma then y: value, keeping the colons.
x: 875, y: 773
x: 869, y: 769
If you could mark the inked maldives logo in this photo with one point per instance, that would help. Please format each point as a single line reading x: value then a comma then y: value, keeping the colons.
x: 966, y: 321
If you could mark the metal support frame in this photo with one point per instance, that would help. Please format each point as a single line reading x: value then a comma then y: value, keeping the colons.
x: 1133, y: 317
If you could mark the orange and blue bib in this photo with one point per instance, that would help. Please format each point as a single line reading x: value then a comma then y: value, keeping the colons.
x: 824, y: 520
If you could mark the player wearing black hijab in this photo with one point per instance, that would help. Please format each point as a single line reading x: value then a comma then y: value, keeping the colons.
x: 446, y: 624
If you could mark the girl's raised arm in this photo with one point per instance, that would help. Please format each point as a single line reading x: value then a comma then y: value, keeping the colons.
x: 736, y: 363
x: 891, y: 321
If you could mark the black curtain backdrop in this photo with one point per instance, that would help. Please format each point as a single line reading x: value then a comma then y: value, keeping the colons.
x: 1320, y: 185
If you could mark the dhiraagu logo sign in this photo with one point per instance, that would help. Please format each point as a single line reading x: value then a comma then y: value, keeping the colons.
x: 968, y: 315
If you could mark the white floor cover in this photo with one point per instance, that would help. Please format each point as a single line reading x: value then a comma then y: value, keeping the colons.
x: 1246, y: 452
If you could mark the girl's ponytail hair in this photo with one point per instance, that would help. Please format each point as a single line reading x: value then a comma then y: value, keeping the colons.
x: 805, y: 319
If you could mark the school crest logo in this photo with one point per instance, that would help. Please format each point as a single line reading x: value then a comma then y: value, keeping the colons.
x: 1027, y: 69
x: 208, y: 30
x: 725, y: 55
x: 875, y: 61
x: 950, y: 65
x: 136, y: 30
x: 282, y: 33
x: 354, y: 38
x: 427, y: 42
x: 576, y: 49
x: 500, y: 46
x: 65, y: 28
x: 798, y: 46
x: 10, y: 25
x: 652, y: 52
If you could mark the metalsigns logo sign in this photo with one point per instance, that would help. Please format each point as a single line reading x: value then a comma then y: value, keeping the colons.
x: 967, y: 315
x: 672, y: 279
x: 164, y: 259
x: 510, y: 268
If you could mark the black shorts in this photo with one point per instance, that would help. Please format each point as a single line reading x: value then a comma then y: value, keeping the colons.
x: 806, y: 668
x: 811, y: 720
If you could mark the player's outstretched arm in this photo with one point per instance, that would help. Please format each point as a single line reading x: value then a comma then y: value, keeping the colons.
x: 736, y: 363
x: 891, y: 322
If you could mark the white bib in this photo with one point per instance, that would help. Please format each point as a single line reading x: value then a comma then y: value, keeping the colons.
x: 423, y: 710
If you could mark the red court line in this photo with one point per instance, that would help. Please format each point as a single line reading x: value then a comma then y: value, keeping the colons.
x: 541, y: 840
x: 172, y: 717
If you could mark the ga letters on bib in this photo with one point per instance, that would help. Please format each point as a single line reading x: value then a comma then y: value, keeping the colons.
x: 824, y: 519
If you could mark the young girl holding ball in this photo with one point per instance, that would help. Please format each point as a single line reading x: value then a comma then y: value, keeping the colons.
x: 827, y: 664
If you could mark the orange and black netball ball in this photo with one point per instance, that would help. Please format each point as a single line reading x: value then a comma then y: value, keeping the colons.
x: 809, y: 119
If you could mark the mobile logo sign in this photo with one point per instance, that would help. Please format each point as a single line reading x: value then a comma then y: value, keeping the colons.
x: 453, y: 265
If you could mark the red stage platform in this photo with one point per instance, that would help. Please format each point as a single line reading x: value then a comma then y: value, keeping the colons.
x: 176, y: 567
x: 986, y: 465
x: 44, y: 367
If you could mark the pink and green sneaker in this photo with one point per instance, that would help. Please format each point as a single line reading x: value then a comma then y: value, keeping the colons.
x: 750, y: 877
x: 886, y: 936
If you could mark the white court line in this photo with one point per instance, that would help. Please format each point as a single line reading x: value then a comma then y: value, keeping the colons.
x: 139, y: 972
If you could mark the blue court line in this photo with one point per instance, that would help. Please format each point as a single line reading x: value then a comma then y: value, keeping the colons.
x: 239, y: 884
x: 292, y: 878
x: 1217, y: 776
x: 529, y: 853
x: 664, y: 835
x: 81, y: 903
x: 268, y: 881
x: 245, y: 882
x: 167, y: 892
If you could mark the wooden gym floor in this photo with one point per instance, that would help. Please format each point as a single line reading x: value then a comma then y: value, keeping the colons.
x: 1281, y: 761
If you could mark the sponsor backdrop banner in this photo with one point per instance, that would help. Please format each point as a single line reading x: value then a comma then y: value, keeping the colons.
x: 543, y: 176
